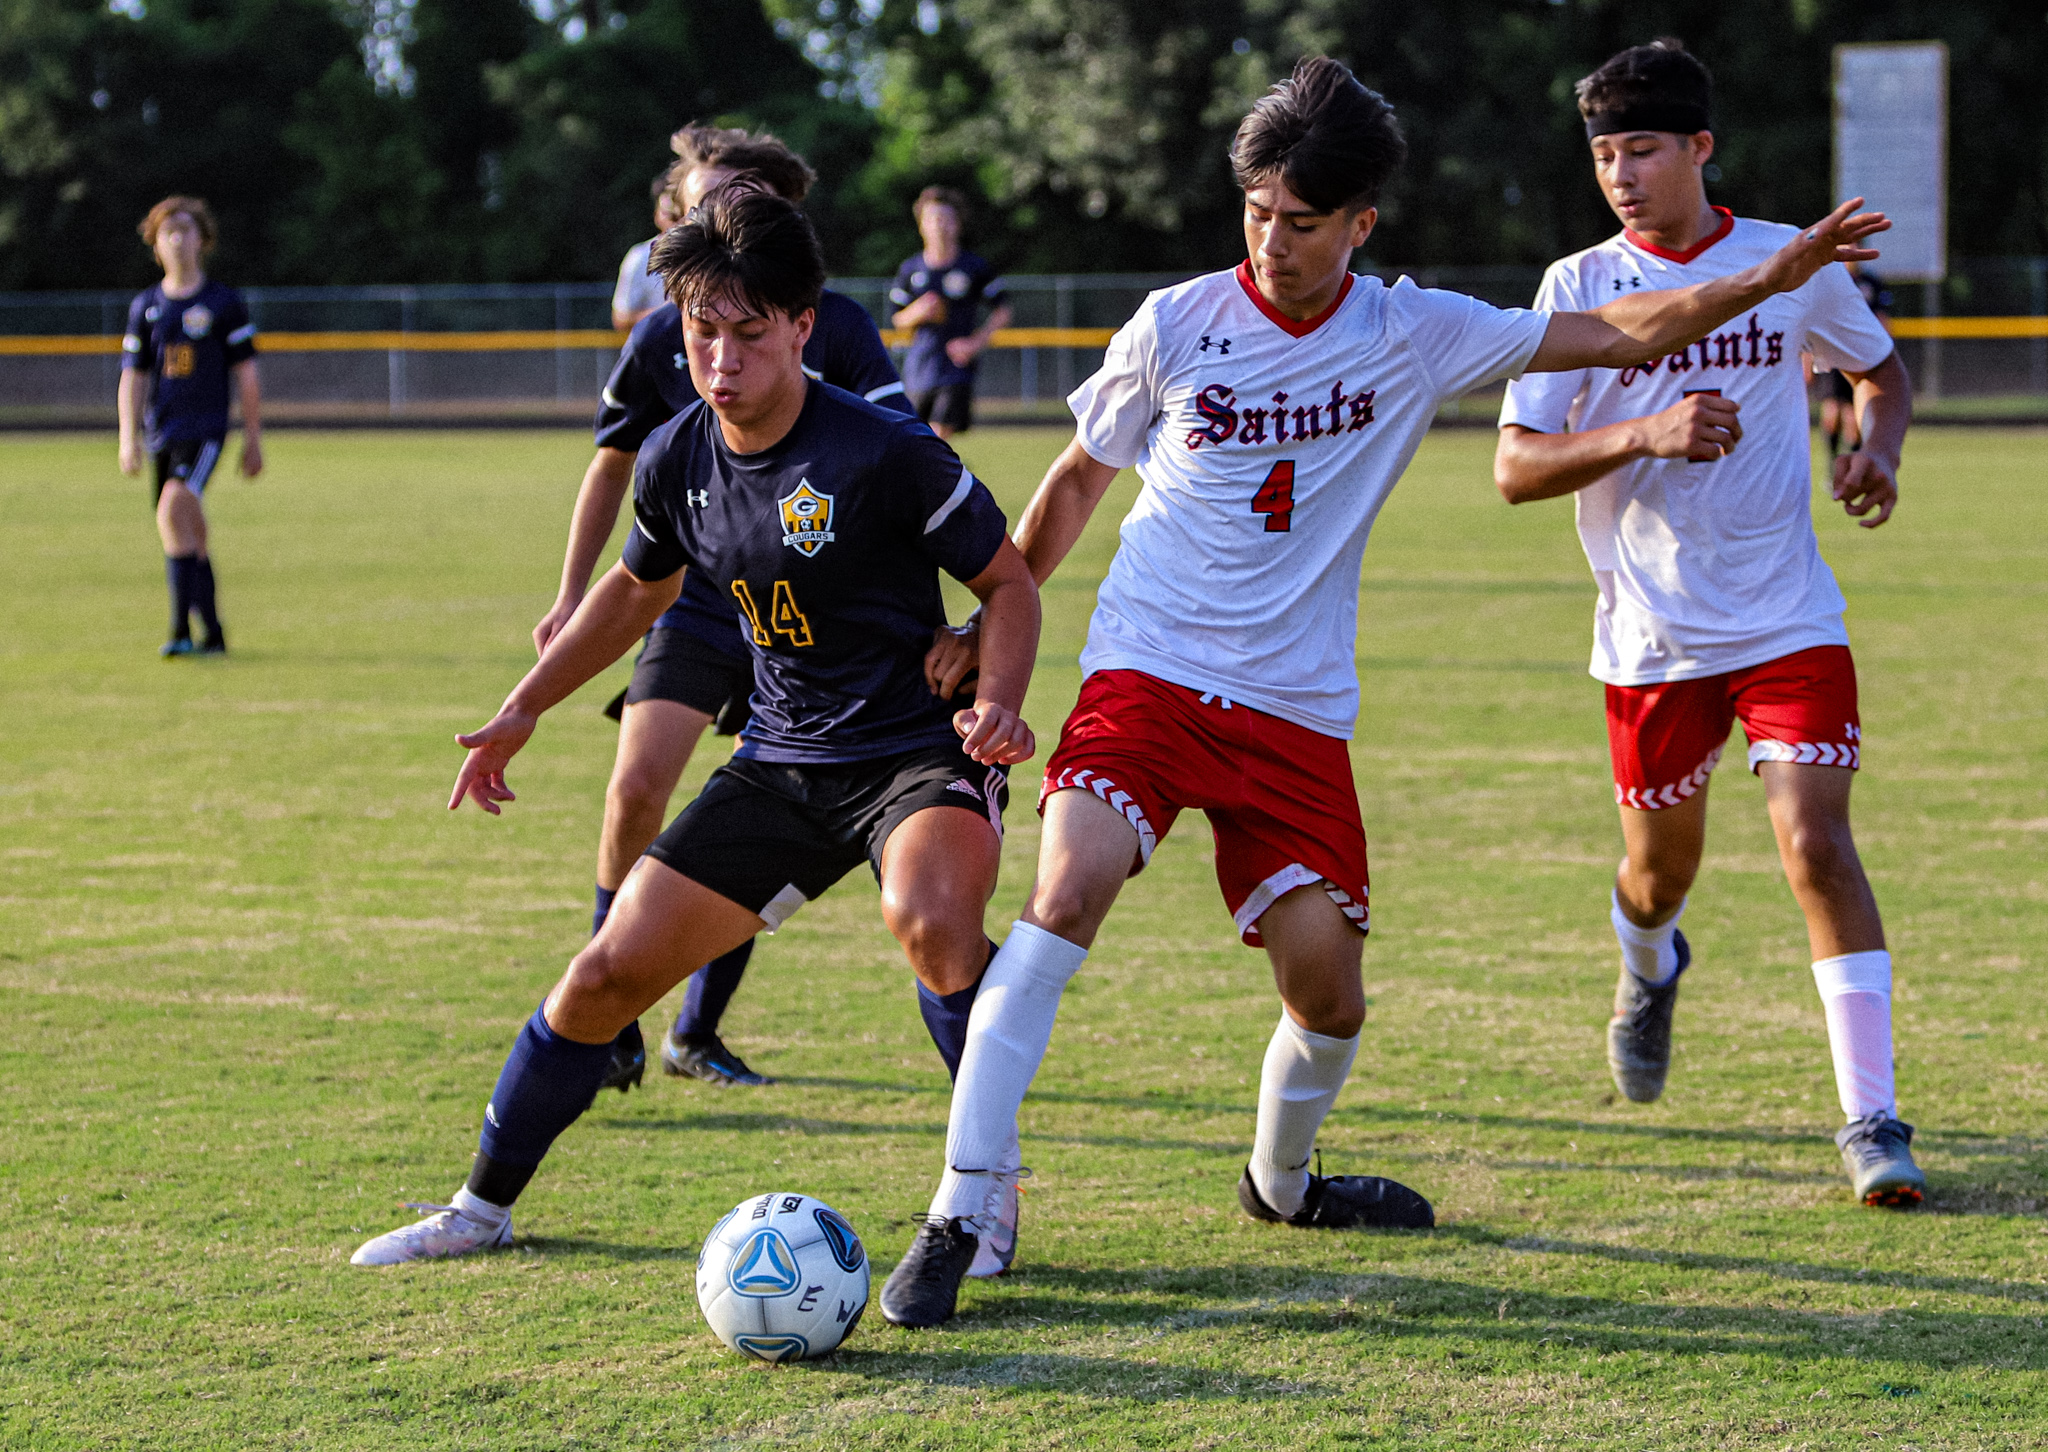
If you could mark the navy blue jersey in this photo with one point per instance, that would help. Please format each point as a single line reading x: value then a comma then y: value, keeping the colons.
x: 827, y: 547
x: 650, y: 384
x: 967, y: 284
x: 187, y: 345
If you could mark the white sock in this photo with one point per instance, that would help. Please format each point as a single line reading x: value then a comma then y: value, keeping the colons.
x: 1856, y: 991
x: 1649, y: 953
x: 1007, y: 1036
x: 1298, y: 1085
x: 483, y: 1212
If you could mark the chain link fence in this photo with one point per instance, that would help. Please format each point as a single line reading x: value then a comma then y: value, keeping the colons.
x: 1977, y: 346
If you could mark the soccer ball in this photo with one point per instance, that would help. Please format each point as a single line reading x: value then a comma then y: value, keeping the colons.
x: 782, y: 1277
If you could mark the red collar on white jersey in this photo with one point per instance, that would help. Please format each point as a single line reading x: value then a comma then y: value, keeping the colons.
x: 1727, y: 226
x: 1293, y: 327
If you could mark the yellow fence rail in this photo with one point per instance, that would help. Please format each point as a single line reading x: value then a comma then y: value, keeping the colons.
x: 513, y: 341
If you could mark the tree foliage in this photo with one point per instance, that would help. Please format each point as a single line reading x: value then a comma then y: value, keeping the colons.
x: 457, y: 140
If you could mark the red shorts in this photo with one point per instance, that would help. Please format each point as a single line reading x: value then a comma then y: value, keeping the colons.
x: 1666, y: 739
x: 1278, y: 796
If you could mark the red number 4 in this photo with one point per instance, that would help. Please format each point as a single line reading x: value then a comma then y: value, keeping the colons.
x: 1275, y: 498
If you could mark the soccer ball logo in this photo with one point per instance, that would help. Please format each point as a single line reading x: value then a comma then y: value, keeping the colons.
x: 782, y: 1277
x: 806, y: 519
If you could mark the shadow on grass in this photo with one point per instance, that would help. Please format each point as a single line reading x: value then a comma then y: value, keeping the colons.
x: 1284, y: 1302
x: 765, y: 1123
x: 926, y: 1358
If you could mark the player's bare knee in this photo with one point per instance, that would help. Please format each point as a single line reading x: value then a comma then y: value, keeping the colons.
x: 1821, y: 858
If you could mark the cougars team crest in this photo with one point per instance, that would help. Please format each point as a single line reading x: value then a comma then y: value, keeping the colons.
x: 806, y: 519
x: 198, y: 322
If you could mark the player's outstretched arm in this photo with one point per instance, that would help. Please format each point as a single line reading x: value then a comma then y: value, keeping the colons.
x: 614, y: 615
x: 1061, y: 508
x: 993, y: 731
x: 604, y: 489
x: 1634, y: 329
x: 250, y: 389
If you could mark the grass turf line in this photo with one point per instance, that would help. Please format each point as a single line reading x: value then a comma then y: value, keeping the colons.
x: 258, y: 983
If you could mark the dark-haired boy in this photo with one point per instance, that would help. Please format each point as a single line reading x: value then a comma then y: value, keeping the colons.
x: 826, y: 520
x: 1268, y: 410
x: 940, y: 294
x: 1691, y: 473
x: 188, y: 337
x: 694, y: 671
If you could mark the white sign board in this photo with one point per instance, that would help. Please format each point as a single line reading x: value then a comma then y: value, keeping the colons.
x: 1891, y: 148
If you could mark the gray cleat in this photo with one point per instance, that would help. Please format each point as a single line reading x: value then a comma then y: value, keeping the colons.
x: 1877, y: 1154
x: 1639, y: 1034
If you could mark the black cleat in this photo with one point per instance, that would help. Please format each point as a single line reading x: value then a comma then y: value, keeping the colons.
x: 1344, y: 1202
x: 705, y: 1056
x: 629, y: 1059
x: 925, y: 1286
x: 1639, y: 1034
x: 214, y: 645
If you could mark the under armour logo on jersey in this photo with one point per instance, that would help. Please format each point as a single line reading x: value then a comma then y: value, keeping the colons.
x: 1622, y: 282
x: 1222, y: 347
x: 682, y: 364
x: 697, y: 498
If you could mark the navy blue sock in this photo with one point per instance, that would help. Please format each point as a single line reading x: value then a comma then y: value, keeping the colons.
x: 202, y: 596
x: 178, y: 574
x: 945, y: 1017
x: 547, y: 1082
x: 604, y: 907
x: 710, y: 989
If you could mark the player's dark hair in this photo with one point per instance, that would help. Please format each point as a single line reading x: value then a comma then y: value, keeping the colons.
x: 1656, y: 87
x: 169, y: 207
x: 1330, y: 140
x: 730, y: 148
x: 937, y: 196
x: 743, y: 245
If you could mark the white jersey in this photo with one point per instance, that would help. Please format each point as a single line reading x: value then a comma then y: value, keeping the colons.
x: 638, y: 290
x: 1710, y: 567
x: 1266, y: 447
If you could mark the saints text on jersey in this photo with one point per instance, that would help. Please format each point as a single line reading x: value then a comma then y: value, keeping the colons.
x: 1223, y: 420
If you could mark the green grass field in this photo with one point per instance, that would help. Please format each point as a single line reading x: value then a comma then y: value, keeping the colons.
x: 258, y: 982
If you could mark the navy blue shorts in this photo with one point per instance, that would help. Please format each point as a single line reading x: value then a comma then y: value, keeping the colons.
x: 189, y: 461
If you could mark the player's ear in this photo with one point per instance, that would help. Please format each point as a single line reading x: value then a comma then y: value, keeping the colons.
x: 1362, y: 225
x: 805, y: 322
x: 1702, y: 147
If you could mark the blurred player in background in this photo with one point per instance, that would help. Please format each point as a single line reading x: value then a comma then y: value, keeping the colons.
x: 1691, y: 474
x: 695, y: 669
x: 941, y: 293
x: 639, y: 291
x: 188, y: 338
x: 1269, y: 410
x: 828, y: 520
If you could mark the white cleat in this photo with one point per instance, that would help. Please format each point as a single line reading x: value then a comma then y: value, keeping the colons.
x: 999, y: 1246
x: 445, y: 1231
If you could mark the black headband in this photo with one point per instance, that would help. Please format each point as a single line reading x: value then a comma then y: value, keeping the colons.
x: 1680, y: 117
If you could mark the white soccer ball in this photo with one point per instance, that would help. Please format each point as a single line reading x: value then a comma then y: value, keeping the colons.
x: 782, y: 1277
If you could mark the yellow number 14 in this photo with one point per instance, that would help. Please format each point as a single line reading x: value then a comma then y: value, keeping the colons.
x: 783, y: 616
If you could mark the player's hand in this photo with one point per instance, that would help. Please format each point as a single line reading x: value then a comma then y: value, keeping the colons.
x: 1699, y: 427
x: 131, y: 456
x: 963, y: 350
x: 552, y: 623
x: 1865, y: 483
x: 1837, y: 237
x: 955, y: 655
x: 994, y: 735
x: 252, y: 457
x: 482, y: 778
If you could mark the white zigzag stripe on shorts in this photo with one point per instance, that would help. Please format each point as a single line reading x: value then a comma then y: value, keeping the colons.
x: 1808, y: 753
x: 1651, y: 799
x: 1102, y: 786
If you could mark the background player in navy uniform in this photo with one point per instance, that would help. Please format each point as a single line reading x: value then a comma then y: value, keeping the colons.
x: 940, y: 292
x: 187, y: 337
x: 827, y: 520
x: 1838, y: 419
x: 694, y: 670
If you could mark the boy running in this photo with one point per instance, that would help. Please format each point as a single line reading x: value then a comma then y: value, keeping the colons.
x: 1691, y: 473
x: 1268, y: 410
x: 826, y: 520
x: 694, y: 670
x: 187, y: 338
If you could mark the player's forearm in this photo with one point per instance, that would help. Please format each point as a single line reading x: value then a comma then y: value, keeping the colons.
x: 617, y: 612
x: 1061, y: 508
x: 249, y: 387
x: 596, y: 515
x: 1528, y: 465
x: 1009, y: 642
x: 133, y: 393
x: 1884, y: 409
